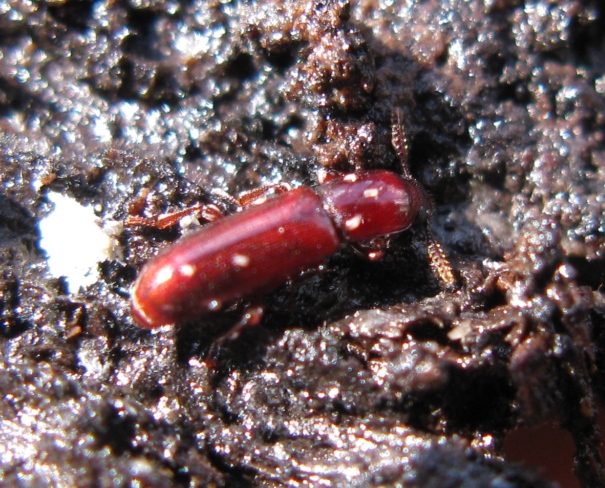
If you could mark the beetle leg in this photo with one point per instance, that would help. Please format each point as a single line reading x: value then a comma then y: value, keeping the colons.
x: 255, y: 196
x: 225, y: 198
x: 324, y: 175
x: 258, y: 196
x: 252, y: 316
x: 208, y: 212
x: 372, y: 250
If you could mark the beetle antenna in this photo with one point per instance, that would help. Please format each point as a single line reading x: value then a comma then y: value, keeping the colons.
x: 437, y: 256
x: 439, y: 261
x: 399, y: 140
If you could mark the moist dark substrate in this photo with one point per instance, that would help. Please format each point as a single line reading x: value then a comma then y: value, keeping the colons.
x: 363, y: 374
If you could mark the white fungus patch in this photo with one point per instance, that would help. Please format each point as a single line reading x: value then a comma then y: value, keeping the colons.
x: 74, y: 242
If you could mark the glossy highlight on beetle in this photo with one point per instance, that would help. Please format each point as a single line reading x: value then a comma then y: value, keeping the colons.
x: 261, y: 247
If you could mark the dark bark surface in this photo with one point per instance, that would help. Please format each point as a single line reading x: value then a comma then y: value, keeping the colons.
x: 363, y: 374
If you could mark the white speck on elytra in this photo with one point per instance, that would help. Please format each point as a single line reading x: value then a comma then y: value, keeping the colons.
x: 188, y: 270
x: 353, y: 223
x: 163, y: 275
x: 371, y: 193
x: 240, y: 260
x: 214, y: 305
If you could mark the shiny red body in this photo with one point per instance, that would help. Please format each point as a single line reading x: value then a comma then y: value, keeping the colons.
x: 261, y: 247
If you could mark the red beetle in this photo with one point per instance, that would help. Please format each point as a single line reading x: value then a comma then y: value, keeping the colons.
x: 261, y: 247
